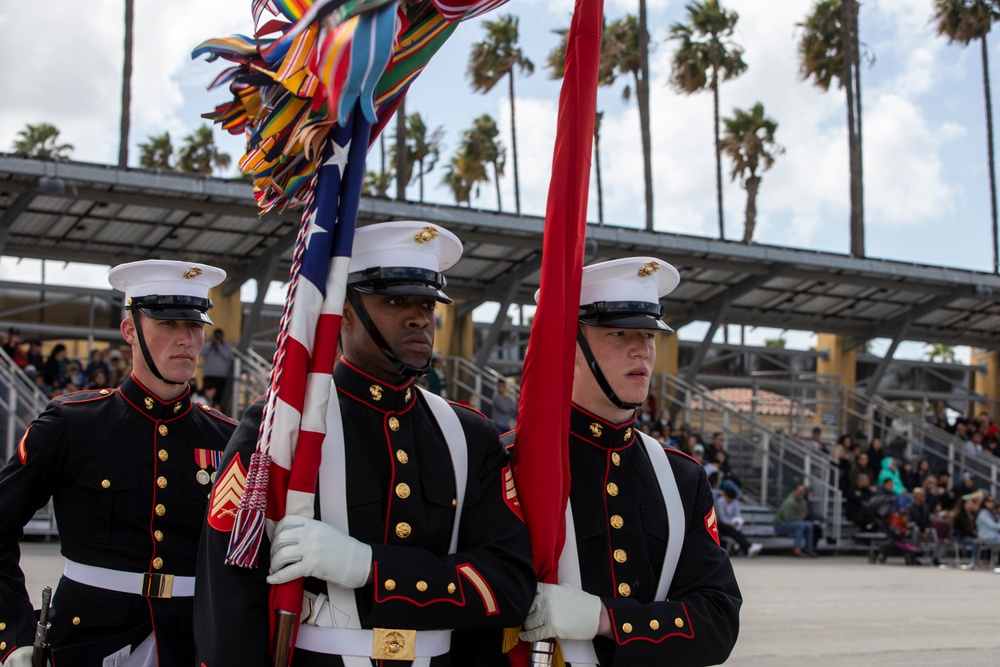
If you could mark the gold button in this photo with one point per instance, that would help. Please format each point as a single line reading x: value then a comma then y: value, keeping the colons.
x: 454, y: 502
x: 3, y: 626
x: 158, y: 535
x: 402, y: 456
x: 163, y: 455
x: 163, y: 429
x: 105, y: 392
x: 393, y: 424
x: 612, y: 489
x: 654, y: 624
x: 157, y: 563
x: 616, y: 458
x: 3, y: 646
x: 403, y: 529
x: 106, y: 484
x: 620, y: 555
x: 624, y: 590
x: 452, y: 588
x: 390, y: 585
x: 206, y: 408
x: 617, y: 521
x: 160, y: 510
x: 76, y: 620
x: 421, y: 586
x: 679, y: 622
x: 403, y: 490
x: 626, y: 628
x: 161, y: 482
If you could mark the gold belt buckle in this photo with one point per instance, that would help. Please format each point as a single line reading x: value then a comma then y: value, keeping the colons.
x: 393, y: 644
x: 156, y: 585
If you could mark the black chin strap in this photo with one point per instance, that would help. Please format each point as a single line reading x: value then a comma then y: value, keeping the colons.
x: 602, y: 381
x: 402, y: 368
x: 145, y: 350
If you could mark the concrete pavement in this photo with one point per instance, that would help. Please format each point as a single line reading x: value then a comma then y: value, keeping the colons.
x: 823, y: 612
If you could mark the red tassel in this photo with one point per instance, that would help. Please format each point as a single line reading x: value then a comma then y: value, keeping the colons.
x: 248, y: 529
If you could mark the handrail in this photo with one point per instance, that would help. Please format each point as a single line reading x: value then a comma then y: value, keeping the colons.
x: 466, y: 381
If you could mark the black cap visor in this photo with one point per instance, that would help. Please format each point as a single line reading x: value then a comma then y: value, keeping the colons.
x: 402, y: 281
x: 179, y: 308
x: 624, y: 315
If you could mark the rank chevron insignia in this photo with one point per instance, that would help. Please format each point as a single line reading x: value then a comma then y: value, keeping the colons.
x: 226, y: 496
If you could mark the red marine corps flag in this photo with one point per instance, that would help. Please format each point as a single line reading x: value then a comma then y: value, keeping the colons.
x: 541, y: 455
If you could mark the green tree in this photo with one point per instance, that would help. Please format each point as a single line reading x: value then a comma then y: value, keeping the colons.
x: 41, y: 141
x: 829, y: 50
x: 749, y: 142
x: 940, y: 352
x: 423, y: 149
x: 156, y: 152
x: 483, y: 144
x: 200, y: 155
x: 460, y: 177
x: 705, y: 56
x: 624, y: 52
x: 494, y: 58
x: 965, y: 21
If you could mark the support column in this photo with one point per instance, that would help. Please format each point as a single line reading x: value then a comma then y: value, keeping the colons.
x: 227, y: 314
x: 454, y: 332
x: 842, y: 363
x: 988, y: 383
x: 667, y: 353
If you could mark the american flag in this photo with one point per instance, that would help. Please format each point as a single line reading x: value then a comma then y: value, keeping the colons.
x: 294, y: 422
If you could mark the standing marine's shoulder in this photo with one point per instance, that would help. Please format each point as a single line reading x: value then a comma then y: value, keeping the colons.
x: 78, y: 399
x: 214, y: 416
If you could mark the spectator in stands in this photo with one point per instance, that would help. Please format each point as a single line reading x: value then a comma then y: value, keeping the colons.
x: 876, y: 454
x: 14, y: 350
x: 859, y: 466
x: 718, y: 444
x: 934, y: 494
x: 96, y: 363
x: 34, y: 354
x: 991, y: 445
x: 697, y: 450
x: 721, y: 461
x: 99, y: 380
x: 75, y: 375
x: 963, y: 525
x: 858, y: 494
x: 816, y: 440
x: 987, y: 525
x: 196, y: 394
x: 54, y: 371
x: 844, y: 454
x: 790, y: 519
x: 504, y: 407
x: 938, y: 416
x: 890, y: 473
x: 908, y: 475
x: 730, y: 520
x: 216, y: 357
x: 920, y: 511
x: 966, y: 485
x: 437, y: 383
x: 119, y: 367
x: 948, y: 496
x: 922, y: 472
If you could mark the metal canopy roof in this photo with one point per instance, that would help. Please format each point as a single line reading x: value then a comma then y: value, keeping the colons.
x: 101, y: 214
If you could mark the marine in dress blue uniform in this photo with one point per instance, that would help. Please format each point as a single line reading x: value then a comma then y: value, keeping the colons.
x: 396, y: 570
x: 622, y: 607
x: 128, y: 470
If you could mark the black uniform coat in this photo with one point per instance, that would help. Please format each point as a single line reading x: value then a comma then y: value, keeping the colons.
x: 391, y: 438
x: 120, y: 466
x: 621, y: 531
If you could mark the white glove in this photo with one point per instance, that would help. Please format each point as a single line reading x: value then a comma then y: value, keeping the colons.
x: 304, y: 547
x: 21, y: 657
x: 562, y: 612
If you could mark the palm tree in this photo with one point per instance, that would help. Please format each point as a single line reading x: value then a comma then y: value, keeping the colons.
x: 422, y: 148
x: 940, y: 351
x: 749, y: 143
x: 493, y: 59
x: 483, y: 143
x: 156, y: 152
x: 41, y: 141
x: 829, y: 49
x: 126, y: 87
x: 705, y: 57
x: 460, y: 176
x: 964, y: 21
x: 403, y: 167
x: 200, y: 155
x: 623, y: 53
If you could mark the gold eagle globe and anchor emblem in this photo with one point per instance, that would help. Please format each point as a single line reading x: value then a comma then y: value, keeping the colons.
x: 648, y: 269
x: 376, y: 392
x: 596, y: 430
x: 193, y: 272
x: 426, y: 235
x: 394, y: 644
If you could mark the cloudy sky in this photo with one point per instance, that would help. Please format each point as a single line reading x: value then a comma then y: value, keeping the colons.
x: 926, y: 183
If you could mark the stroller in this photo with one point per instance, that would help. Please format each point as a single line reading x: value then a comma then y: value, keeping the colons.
x: 881, y: 514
